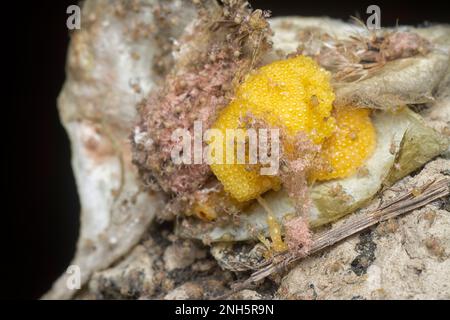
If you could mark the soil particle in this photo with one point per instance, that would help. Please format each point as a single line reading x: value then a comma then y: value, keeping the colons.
x: 182, y: 254
x: 187, y: 291
x: 366, y: 249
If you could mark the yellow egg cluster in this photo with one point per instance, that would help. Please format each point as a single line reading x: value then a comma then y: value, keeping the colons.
x: 352, y: 142
x: 293, y: 94
x: 242, y: 183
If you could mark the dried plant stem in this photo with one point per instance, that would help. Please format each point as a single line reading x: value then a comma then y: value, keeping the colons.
x: 404, y: 203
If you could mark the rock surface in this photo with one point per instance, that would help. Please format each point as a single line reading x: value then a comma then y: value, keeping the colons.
x: 182, y: 255
x: 404, y: 258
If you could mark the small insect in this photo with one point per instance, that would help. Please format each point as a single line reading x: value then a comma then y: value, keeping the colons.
x: 393, y: 148
x: 277, y: 243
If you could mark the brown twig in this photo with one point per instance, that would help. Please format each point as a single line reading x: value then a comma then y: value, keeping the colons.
x: 404, y: 203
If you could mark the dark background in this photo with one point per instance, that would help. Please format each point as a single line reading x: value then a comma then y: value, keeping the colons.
x: 41, y: 192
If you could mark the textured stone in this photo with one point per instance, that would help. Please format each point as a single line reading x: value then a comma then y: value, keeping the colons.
x: 131, y: 278
x: 187, y: 291
x: 181, y: 255
x: 405, y: 258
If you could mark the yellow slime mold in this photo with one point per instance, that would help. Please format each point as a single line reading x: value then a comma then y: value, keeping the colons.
x: 294, y: 95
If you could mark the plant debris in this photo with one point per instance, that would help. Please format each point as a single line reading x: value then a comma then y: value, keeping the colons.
x: 402, y: 204
x: 361, y: 55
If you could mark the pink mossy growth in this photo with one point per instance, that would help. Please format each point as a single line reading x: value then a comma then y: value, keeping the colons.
x: 400, y: 45
x: 223, y: 45
x: 298, y: 235
x: 186, y: 98
x: 294, y: 172
x: 296, y: 164
x: 298, y: 159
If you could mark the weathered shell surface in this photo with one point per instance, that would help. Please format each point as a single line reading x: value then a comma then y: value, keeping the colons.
x: 109, y: 70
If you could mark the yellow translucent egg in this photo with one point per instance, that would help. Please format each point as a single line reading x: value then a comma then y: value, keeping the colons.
x: 351, y: 144
x: 294, y: 94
